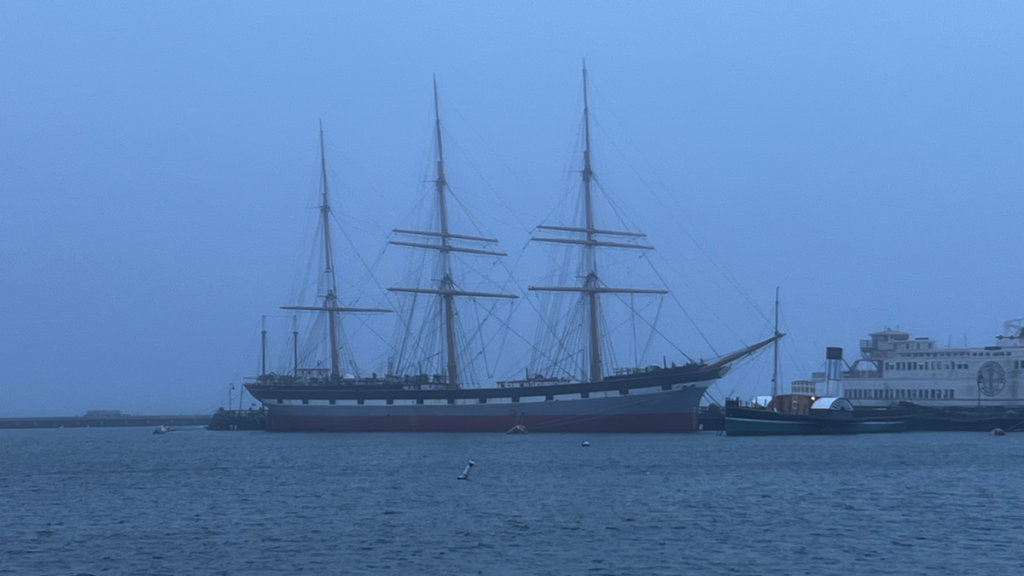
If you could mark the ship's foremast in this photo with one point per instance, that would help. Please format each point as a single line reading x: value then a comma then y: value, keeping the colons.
x: 330, y: 300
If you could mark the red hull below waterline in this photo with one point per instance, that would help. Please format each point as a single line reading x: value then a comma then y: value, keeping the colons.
x: 592, y: 423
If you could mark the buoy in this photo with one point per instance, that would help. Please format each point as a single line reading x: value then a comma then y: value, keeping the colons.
x: 998, y: 432
x: 585, y: 443
x: 465, y: 473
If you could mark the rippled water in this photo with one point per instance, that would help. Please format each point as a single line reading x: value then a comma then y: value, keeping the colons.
x: 125, y: 501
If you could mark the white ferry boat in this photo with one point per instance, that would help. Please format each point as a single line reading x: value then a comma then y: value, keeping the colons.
x: 894, y: 368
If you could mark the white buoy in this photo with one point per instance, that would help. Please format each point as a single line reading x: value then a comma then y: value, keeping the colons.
x: 586, y: 444
x: 465, y: 473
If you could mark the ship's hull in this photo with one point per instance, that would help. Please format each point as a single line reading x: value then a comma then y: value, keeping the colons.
x: 666, y: 411
x: 759, y: 422
x: 662, y: 401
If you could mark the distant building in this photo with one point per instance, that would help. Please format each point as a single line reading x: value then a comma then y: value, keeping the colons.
x: 102, y: 413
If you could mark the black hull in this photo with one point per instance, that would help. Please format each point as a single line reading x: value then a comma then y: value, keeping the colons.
x: 238, y: 420
x: 758, y: 422
x: 926, y: 419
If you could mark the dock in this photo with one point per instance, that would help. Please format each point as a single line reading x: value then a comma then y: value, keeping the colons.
x: 111, y: 421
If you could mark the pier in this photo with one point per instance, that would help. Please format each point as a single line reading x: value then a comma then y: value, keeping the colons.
x: 105, y: 421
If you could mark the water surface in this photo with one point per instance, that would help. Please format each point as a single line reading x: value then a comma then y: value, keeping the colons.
x: 125, y: 501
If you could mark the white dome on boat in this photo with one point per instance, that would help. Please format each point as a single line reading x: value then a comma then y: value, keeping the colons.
x: 832, y: 403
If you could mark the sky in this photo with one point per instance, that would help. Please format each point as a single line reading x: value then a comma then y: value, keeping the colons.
x: 159, y: 166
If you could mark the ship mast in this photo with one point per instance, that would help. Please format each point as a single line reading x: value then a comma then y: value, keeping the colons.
x: 588, y: 250
x: 330, y: 303
x: 775, y: 365
x: 592, y: 286
x: 447, y: 298
x: 331, y: 300
x: 446, y: 288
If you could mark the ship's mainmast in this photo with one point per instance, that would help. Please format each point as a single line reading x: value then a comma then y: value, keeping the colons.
x: 330, y: 302
x: 446, y: 287
x: 592, y: 286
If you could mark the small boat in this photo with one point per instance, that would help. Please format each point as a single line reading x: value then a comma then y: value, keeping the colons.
x: 802, y: 412
x: 161, y: 429
x: 517, y: 429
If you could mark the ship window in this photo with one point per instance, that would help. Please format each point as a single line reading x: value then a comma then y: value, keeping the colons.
x: 332, y: 401
x: 280, y: 401
x: 952, y: 394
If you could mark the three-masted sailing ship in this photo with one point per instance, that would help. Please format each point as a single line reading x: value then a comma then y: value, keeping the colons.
x: 651, y: 399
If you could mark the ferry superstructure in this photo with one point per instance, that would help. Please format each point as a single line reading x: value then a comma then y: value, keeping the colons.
x: 895, y: 367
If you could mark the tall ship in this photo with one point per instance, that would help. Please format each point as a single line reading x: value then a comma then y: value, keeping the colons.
x: 434, y: 391
x: 895, y: 368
